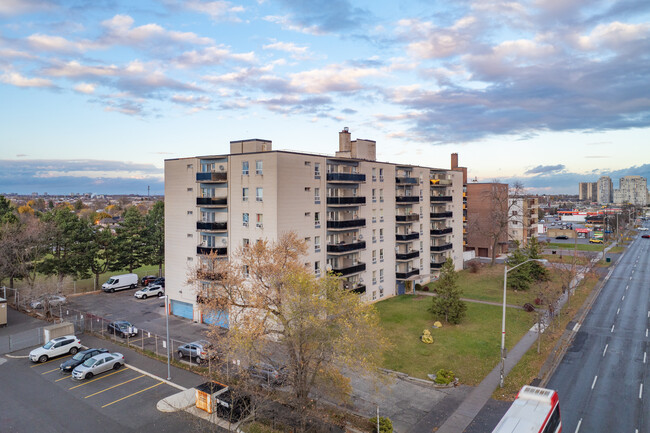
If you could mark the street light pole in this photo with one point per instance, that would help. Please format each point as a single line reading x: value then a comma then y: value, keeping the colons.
x: 169, y: 376
x: 503, y: 318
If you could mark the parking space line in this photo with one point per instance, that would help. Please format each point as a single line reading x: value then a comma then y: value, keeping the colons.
x: 51, y: 360
x: 64, y: 378
x: 131, y: 395
x: 115, y: 386
x: 101, y: 377
x: 50, y: 371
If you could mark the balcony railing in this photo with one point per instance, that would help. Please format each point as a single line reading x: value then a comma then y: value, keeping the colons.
x: 441, y: 198
x: 407, y: 199
x: 212, y: 177
x: 350, y: 269
x: 346, y: 248
x: 406, y: 275
x: 211, y: 225
x: 407, y: 237
x: 212, y: 201
x: 441, y: 214
x: 437, y: 265
x: 407, y: 218
x: 346, y: 224
x: 346, y: 177
x: 359, y: 288
x: 210, y: 250
x: 437, y: 232
x: 440, y: 182
x: 406, y: 180
x: 443, y: 247
x: 345, y: 201
x: 407, y: 256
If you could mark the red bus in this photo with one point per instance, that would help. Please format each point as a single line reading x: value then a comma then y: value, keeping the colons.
x: 536, y: 410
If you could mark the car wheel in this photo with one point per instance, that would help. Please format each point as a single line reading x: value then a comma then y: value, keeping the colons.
x: 89, y: 375
x: 73, y: 350
x: 122, y: 334
x: 112, y: 291
x: 132, y: 286
x: 117, y: 366
x: 180, y: 355
x: 160, y: 294
x: 42, y: 358
x: 144, y: 296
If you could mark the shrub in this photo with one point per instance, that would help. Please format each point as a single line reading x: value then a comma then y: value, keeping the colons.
x: 385, y: 424
x: 474, y: 266
x: 444, y: 377
x: 418, y: 286
x: 425, y: 288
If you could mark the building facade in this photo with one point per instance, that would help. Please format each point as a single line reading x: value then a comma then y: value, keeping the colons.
x: 588, y: 191
x: 382, y: 226
x: 605, y: 190
x: 632, y: 190
x: 487, y: 218
x: 523, y: 220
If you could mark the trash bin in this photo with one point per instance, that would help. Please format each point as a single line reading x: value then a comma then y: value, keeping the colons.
x: 608, y: 259
x: 3, y: 312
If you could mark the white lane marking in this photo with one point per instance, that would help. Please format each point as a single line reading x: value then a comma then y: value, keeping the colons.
x: 646, y: 332
x: 578, y: 426
x: 618, y: 311
x: 594, y: 382
x: 640, y: 390
x: 604, y: 351
x: 644, y: 356
x: 627, y: 287
x: 612, y: 328
x: 623, y: 298
x: 576, y: 327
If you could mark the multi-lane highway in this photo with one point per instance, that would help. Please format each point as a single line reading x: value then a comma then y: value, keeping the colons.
x: 603, y: 379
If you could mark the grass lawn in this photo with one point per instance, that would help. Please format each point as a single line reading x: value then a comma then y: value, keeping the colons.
x: 471, y: 349
x: 579, y: 247
x: 566, y: 258
x: 487, y: 285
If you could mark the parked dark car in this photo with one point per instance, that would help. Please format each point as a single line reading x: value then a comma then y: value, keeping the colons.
x: 145, y: 281
x: 160, y: 281
x: 80, y: 358
x: 268, y: 373
x: 122, y: 328
x: 562, y: 237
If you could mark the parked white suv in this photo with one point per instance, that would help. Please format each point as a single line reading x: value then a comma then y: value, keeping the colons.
x: 149, y: 291
x: 57, y: 347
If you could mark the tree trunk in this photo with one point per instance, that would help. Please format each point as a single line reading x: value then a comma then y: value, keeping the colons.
x: 11, y: 282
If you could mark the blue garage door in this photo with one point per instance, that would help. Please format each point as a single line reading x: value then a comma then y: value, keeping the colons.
x: 182, y: 309
x: 219, y: 318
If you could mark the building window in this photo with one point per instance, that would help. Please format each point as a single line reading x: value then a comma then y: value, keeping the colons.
x: 260, y: 220
x: 374, y: 277
x: 381, y: 235
x: 381, y: 255
x: 374, y: 236
x: 244, y: 218
x: 189, y: 212
x: 258, y: 167
x: 381, y: 215
x: 244, y: 168
x: 421, y: 264
x: 374, y: 174
x: 259, y: 193
x: 308, y: 163
x: 317, y: 195
x: 374, y: 215
x: 381, y: 292
x: 316, y: 170
x: 317, y: 268
x: 190, y: 189
x: 307, y: 189
x: 317, y: 244
x: 374, y: 195
x: 246, y: 273
x: 374, y: 256
x: 381, y: 275
x: 190, y: 235
x: 317, y: 219
x: 374, y: 295
x: 381, y: 175
x: 244, y: 194
x: 381, y: 195
x: 246, y: 242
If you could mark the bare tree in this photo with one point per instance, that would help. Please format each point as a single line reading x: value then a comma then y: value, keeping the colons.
x: 23, y: 245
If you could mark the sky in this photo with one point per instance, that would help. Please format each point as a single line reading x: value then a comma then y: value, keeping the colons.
x: 96, y: 94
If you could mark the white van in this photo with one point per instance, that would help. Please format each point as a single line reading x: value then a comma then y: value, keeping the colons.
x: 119, y: 282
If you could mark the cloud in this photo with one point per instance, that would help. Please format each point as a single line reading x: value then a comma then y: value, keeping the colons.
x: 86, y: 88
x: 545, y: 169
x: 217, y: 10
x: 66, y: 176
x: 18, y: 80
x: 18, y: 7
x: 321, y: 16
x: 427, y: 41
x: 333, y: 78
x: 211, y: 56
x: 289, y: 47
x: 59, y: 44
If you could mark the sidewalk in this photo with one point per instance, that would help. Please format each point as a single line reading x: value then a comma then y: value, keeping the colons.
x: 461, y: 418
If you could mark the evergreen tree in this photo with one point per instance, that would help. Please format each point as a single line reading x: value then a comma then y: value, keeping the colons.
x: 130, y: 246
x: 7, y: 211
x: 520, y: 278
x: 447, y: 304
x: 101, y: 251
x: 537, y: 270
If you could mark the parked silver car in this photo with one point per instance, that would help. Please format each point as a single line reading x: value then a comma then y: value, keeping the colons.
x: 98, y: 364
x: 51, y: 300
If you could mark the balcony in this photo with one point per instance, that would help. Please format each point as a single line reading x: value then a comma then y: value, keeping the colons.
x: 437, y: 265
x: 438, y: 232
x: 212, y: 201
x: 346, y: 224
x: 212, y: 177
x: 354, y: 269
x: 346, y: 177
x: 407, y: 199
x: 407, y: 218
x: 211, y: 225
x: 407, y: 237
x: 407, y: 275
x: 442, y: 247
x: 437, y: 215
x: 346, y: 248
x: 441, y: 198
x: 406, y: 180
x: 345, y: 201
x: 212, y: 250
x: 407, y: 256
x: 440, y: 182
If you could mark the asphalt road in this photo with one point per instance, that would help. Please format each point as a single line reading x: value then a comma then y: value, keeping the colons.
x: 602, y: 381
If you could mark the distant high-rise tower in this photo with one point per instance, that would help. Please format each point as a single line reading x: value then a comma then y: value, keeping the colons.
x: 605, y: 190
x: 588, y: 191
x: 632, y: 190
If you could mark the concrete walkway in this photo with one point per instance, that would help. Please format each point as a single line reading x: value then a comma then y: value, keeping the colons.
x: 476, y: 301
x: 461, y: 418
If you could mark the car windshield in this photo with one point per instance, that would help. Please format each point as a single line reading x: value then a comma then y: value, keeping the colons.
x: 89, y: 362
x: 122, y: 325
x: 110, y: 281
x: 79, y: 356
x: 48, y: 345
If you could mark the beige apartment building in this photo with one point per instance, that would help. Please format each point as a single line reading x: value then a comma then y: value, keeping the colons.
x: 523, y: 219
x: 382, y: 226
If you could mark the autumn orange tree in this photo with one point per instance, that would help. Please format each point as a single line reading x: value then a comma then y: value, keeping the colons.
x: 278, y: 309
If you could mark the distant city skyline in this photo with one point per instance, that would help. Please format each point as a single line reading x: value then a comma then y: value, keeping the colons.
x: 96, y: 95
